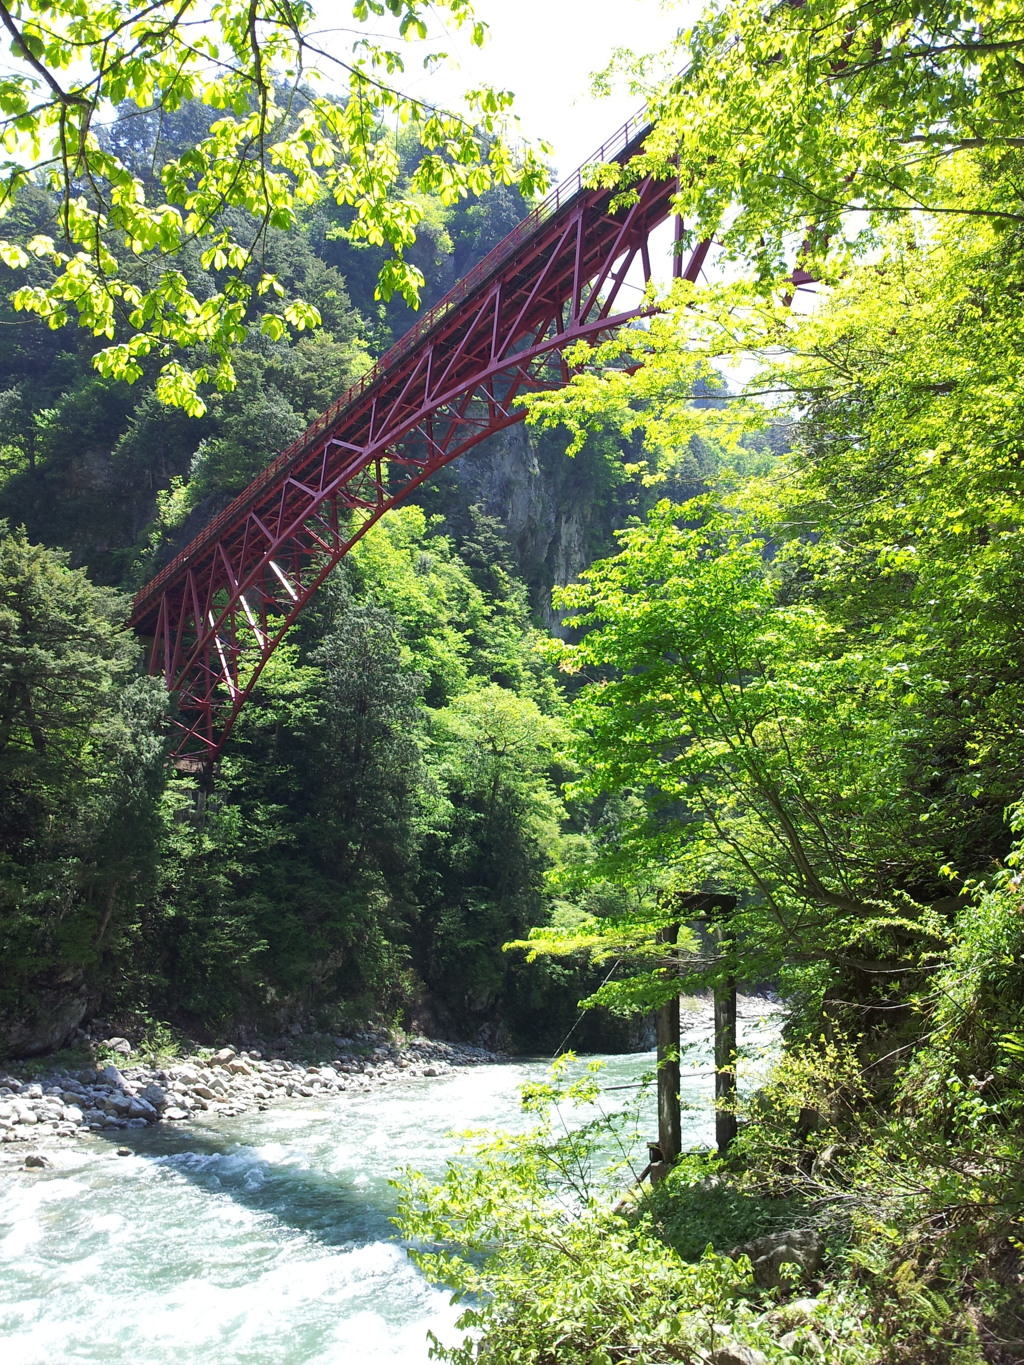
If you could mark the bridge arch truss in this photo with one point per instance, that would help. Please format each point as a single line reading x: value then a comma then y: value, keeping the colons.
x: 215, y: 614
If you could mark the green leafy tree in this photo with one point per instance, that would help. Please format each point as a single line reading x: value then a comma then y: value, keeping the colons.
x: 80, y: 767
x: 521, y: 1228
x: 785, y: 120
x: 769, y: 760
x: 486, y: 849
x: 364, y: 849
x: 273, y: 146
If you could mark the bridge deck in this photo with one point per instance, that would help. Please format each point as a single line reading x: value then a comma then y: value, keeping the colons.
x: 349, y: 421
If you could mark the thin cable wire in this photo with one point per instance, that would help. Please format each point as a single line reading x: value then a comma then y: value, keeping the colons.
x: 558, y: 1050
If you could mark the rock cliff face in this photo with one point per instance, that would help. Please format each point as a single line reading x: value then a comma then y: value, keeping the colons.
x: 557, y: 513
x: 504, y: 477
x: 47, y: 1020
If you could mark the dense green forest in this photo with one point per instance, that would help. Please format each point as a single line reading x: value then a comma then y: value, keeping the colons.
x: 791, y: 674
x: 390, y: 807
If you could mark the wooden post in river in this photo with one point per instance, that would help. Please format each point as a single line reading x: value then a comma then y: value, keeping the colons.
x: 667, y: 1034
x: 725, y: 1040
x: 713, y: 909
x: 725, y: 1064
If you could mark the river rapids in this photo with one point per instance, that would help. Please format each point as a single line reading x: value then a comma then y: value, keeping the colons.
x: 265, y: 1239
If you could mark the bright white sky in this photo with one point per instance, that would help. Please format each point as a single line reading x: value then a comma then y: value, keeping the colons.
x: 545, y: 51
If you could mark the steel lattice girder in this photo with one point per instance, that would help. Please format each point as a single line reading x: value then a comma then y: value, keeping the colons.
x: 216, y: 613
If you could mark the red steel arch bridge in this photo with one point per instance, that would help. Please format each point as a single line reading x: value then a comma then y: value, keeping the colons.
x: 216, y: 612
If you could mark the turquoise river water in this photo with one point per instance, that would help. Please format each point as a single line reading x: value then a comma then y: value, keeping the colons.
x: 264, y: 1239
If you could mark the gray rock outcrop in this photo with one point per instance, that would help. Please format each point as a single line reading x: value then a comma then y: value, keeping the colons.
x: 800, y: 1247
x: 734, y: 1354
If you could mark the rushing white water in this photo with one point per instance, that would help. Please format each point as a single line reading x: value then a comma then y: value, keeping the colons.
x: 259, y: 1240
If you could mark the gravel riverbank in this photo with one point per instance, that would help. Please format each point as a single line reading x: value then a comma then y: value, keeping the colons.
x: 70, y: 1104
x: 43, y: 1106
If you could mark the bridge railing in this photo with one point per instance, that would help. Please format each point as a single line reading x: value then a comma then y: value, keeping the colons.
x: 564, y: 193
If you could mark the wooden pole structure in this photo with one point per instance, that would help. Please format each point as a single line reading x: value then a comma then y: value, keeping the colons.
x: 714, y: 910
x: 670, y: 1128
x: 725, y: 1050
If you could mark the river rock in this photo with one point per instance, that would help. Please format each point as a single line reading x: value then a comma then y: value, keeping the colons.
x: 155, y: 1095
x: 174, y: 1112
x: 802, y: 1247
x: 120, y: 1045
x: 825, y: 1164
x: 36, y: 1162
x: 56, y: 1011
x: 804, y: 1308
x: 186, y: 1075
x: 735, y: 1354
x: 223, y: 1057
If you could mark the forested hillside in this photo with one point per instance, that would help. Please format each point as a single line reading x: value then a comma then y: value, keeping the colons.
x: 390, y: 805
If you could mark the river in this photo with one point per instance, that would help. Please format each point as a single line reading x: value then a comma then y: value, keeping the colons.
x: 264, y: 1239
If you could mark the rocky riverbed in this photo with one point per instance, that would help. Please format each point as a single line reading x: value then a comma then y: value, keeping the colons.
x: 69, y: 1104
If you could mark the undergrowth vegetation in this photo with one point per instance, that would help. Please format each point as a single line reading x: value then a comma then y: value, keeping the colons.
x: 911, y: 1173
